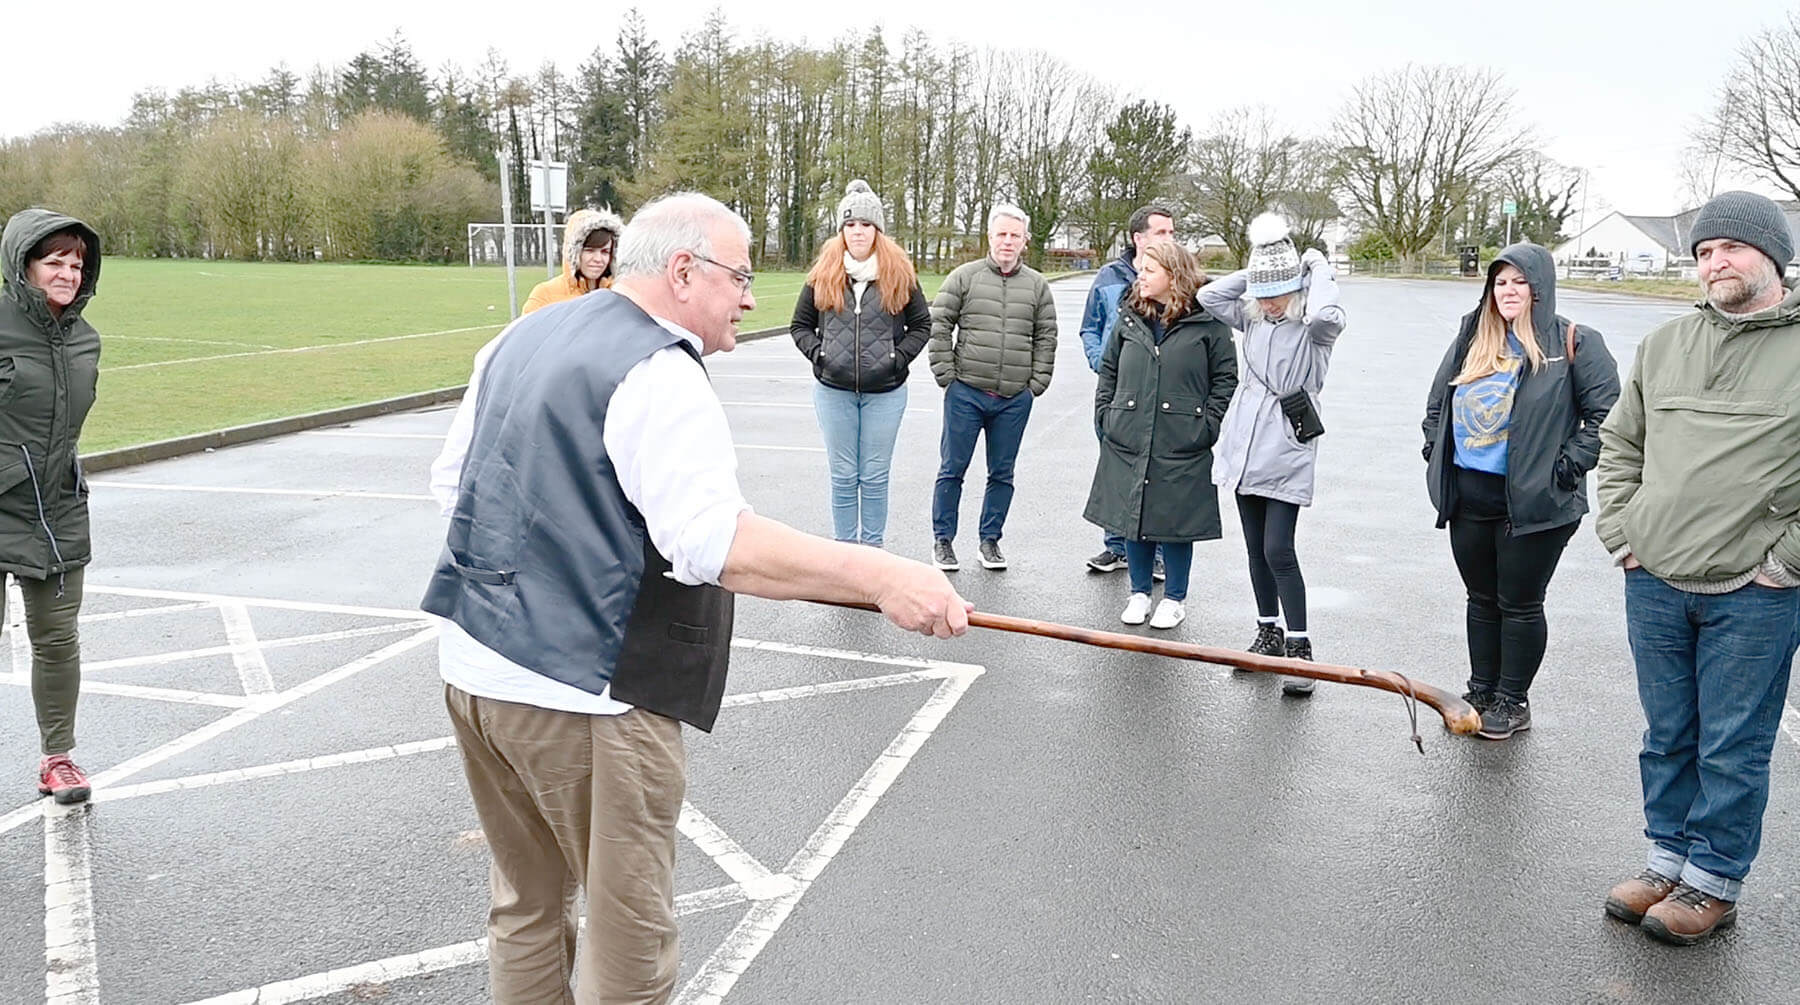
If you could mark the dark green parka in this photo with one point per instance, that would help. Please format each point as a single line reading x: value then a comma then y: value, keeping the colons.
x: 1158, y: 407
x: 48, y: 369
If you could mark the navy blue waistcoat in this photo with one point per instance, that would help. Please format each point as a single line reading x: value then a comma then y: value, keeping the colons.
x: 547, y: 563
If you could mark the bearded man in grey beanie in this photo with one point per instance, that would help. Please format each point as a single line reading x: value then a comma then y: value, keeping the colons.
x: 1699, y: 486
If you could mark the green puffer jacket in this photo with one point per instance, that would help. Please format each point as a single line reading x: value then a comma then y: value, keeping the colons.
x: 48, y: 369
x: 1004, y: 325
x: 1699, y: 471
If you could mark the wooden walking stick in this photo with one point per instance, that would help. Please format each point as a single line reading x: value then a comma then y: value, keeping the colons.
x: 1459, y: 716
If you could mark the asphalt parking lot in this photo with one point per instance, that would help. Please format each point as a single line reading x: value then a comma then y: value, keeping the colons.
x: 279, y: 815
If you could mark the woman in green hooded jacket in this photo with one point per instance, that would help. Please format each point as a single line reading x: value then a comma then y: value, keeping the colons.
x: 49, y: 366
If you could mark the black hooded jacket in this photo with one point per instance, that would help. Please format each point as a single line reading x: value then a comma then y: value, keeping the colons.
x: 1554, y: 437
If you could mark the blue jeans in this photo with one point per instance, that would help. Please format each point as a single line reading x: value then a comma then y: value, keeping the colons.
x: 1713, y: 677
x: 860, y: 430
x: 967, y: 414
x: 1178, y: 560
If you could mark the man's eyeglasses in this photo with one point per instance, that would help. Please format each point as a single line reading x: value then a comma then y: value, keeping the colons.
x: 744, y: 277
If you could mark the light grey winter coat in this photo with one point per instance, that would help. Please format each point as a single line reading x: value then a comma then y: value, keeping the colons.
x: 1257, y: 453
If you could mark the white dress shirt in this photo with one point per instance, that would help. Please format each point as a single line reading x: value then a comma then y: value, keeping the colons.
x: 668, y: 440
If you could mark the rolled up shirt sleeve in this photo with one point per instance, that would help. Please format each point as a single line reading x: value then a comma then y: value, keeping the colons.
x: 670, y: 447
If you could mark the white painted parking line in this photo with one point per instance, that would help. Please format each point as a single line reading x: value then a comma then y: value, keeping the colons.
x: 246, y: 653
x: 155, y: 693
x: 142, y: 612
x: 721, y: 971
x: 368, y: 755
x: 773, y: 895
x: 402, y: 613
x: 298, y: 349
x: 71, y: 965
x: 246, y: 490
x: 727, y: 854
x: 218, y: 727
x: 235, y: 649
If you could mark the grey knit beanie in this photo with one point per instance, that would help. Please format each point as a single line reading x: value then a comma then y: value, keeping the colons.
x: 1746, y: 217
x: 861, y: 203
x: 1274, y: 264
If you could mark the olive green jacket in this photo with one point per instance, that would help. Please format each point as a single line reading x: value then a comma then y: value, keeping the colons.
x: 49, y: 367
x: 1699, y: 474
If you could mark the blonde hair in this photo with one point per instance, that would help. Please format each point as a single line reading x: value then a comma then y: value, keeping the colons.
x: 1185, y: 279
x: 1293, y: 307
x: 1489, y: 343
x: 894, y: 275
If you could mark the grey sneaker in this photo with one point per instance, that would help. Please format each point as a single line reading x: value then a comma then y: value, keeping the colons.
x: 1156, y: 569
x: 1107, y: 561
x: 943, y: 556
x: 990, y: 555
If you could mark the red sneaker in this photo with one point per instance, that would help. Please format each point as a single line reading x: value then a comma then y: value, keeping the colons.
x: 59, y: 777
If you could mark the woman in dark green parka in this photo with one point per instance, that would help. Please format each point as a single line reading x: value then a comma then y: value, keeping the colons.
x: 1166, y: 378
x: 49, y: 366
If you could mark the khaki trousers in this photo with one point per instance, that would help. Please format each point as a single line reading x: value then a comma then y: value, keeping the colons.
x: 571, y: 803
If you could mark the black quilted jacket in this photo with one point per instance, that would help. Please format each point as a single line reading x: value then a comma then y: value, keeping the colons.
x: 861, y: 347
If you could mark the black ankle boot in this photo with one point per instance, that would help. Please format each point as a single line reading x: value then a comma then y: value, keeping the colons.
x: 1270, y: 641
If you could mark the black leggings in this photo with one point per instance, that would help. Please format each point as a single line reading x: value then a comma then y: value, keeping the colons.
x: 1274, y: 568
x: 1506, y: 576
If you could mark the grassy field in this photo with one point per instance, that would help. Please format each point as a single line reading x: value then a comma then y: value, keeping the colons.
x: 190, y: 347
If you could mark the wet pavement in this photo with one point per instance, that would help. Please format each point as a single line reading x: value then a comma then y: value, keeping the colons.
x: 279, y: 815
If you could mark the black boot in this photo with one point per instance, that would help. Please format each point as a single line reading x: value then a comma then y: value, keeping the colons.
x: 1299, y: 687
x: 1270, y: 641
x: 1479, y: 698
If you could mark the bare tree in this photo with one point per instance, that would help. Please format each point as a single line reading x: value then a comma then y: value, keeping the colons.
x: 1415, y: 144
x: 1061, y: 117
x: 1757, y: 123
x: 1243, y: 164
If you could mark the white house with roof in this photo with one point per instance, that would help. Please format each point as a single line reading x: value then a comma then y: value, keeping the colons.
x: 1647, y: 243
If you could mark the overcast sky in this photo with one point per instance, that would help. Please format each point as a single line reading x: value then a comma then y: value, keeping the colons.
x: 1610, y: 87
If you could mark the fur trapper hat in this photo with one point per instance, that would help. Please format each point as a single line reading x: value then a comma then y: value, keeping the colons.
x: 581, y: 225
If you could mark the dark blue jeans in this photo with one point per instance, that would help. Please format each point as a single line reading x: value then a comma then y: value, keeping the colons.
x: 1713, y: 678
x: 967, y: 414
x: 1178, y: 562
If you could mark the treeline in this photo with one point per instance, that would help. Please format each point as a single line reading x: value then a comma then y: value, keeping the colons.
x: 381, y: 158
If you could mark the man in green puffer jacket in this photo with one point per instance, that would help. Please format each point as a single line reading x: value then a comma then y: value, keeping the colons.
x: 1699, y: 486
x: 993, y: 346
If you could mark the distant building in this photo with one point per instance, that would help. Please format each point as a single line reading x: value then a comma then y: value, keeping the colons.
x: 1645, y: 244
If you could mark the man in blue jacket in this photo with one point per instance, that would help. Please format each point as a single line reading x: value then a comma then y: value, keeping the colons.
x: 1148, y: 225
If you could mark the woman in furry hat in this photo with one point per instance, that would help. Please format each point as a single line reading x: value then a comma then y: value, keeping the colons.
x: 589, y: 238
x: 860, y: 320
x: 1286, y: 305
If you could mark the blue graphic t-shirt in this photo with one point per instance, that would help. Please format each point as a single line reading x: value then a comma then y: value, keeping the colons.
x: 1481, y: 413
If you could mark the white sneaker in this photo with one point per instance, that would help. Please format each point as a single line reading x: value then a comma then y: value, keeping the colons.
x: 1169, y: 613
x: 1136, y: 609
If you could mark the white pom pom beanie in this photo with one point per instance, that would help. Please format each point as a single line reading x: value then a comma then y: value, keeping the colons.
x: 1274, y: 264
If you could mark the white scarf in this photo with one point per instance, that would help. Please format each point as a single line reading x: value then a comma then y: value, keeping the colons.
x: 861, y: 274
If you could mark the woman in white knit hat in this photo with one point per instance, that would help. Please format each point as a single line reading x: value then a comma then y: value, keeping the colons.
x: 861, y: 320
x: 1286, y: 305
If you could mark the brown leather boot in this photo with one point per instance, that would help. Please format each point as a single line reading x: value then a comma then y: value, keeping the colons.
x: 1629, y: 900
x: 1688, y: 915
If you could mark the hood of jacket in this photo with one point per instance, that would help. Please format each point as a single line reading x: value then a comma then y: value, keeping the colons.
x: 1539, y: 269
x: 23, y: 232
x: 581, y: 225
